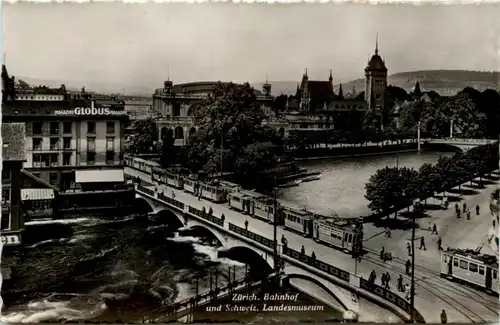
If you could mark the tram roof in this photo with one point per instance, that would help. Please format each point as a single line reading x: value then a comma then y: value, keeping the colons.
x: 469, y: 253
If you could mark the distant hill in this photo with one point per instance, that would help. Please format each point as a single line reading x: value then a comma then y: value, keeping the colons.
x: 444, y: 82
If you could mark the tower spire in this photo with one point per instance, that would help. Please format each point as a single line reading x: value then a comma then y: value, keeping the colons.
x: 376, y: 45
x: 331, y: 77
x: 306, y: 72
x: 168, y: 72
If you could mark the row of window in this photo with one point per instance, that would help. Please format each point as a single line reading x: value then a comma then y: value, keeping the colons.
x: 469, y: 266
x: 52, y: 159
x: 66, y: 143
x: 5, y: 221
x: 5, y: 174
x: 293, y: 218
x: 54, y: 128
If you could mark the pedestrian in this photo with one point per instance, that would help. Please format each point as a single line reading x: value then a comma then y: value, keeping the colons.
x: 387, y: 232
x: 468, y: 214
x: 302, y: 250
x: 444, y: 318
x: 408, y: 247
x: 464, y: 207
x: 173, y: 195
x: 400, y: 283
x: 407, y: 292
x: 313, y: 257
x: 382, y: 252
x: 373, y: 277
x: 434, y: 230
x: 408, y: 267
x: 246, y: 224
x: 387, y: 280
x: 222, y: 218
x: 422, y: 243
x: 383, y: 279
x: 439, y: 242
x: 477, y: 210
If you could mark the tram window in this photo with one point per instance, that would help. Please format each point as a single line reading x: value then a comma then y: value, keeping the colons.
x: 481, y: 270
x: 494, y: 274
x: 464, y: 265
x: 345, y: 237
x: 455, y: 261
x: 350, y: 238
x: 473, y: 267
x: 444, y: 259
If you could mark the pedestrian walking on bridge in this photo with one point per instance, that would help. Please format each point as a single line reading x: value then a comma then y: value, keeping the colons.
x: 477, y: 210
x: 434, y: 230
x: 408, y: 247
x: 387, y: 280
x: 422, y: 243
x: 444, y: 318
x: 439, y: 242
x: 408, y: 267
x: 246, y: 224
x: 464, y: 207
x: 468, y: 214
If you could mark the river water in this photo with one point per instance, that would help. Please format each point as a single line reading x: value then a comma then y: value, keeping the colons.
x: 111, y: 268
x: 341, y: 188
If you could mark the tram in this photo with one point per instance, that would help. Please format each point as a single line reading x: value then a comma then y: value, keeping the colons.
x: 471, y: 267
x: 341, y: 237
x: 300, y: 221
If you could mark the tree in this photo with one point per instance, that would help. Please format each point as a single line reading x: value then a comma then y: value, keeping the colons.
x: 429, y: 180
x: 166, y: 149
x: 230, y: 126
x: 144, y: 135
x: 384, y: 190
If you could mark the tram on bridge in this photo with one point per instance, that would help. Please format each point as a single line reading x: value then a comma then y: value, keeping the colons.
x: 471, y: 267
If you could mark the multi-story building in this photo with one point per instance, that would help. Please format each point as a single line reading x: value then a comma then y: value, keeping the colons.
x: 71, y: 140
x: 13, y: 156
x: 174, y: 102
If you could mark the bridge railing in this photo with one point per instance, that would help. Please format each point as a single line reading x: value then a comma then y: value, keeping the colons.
x: 319, y: 265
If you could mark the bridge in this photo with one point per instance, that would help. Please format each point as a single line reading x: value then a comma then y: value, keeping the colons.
x: 257, y: 241
x: 462, y: 144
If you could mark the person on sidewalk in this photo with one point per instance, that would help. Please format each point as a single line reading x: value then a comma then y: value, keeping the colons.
x: 408, y: 247
x: 444, y: 318
x: 468, y: 214
x: 422, y: 243
x: 434, y: 230
x: 477, y: 210
x: 408, y: 267
x: 400, y: 283
x: 387, y: 280
x: 387, y: 232
x: 464, y: 207
x: 439, y: 242
x: 382, y: 252
x: 246, y: 224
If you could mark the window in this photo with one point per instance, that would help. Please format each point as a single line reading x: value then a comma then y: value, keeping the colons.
x: 54, y: 128
x: 37, y: 160
x: 37, y: 128
x: 110, y: 144
x: 37, y: 143
x: 110, y: 157
x: 67, y: 127
x: 495, y: 274
x: 90, y: 157
x: 5, y: 196
x: 66, y: 143
x: 481, y: 270
x: 45, y: 160
x: 110, y: 127
x: 53, y: 178
x: 455, y: 261
x: 5, y: 174
x: 66, y: 158
x: 90, y: 127
x: 54, y: 143
x: 91, y: 144
x: 473, y: 267
x: 54, y: 160
x: 464, y: 265
x: 377, y: 96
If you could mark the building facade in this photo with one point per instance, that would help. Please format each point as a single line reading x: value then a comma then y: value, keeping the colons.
x: 67, y: 136
x: 13, y: 157
x: 173, y: 103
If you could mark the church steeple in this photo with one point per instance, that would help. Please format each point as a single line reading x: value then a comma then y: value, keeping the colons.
x: 331, y: 77
x: 341, y: 92
x: 297, y: 92
x: 376, y: 45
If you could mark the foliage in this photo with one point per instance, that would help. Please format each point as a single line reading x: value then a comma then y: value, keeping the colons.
x: 143, y: 139
x: 230, y: 134
x: 398, y: 187
x: 166, y: 148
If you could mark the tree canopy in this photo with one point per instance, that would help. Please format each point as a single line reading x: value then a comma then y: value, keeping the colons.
x: 144, y: 135
x: 230, y: 134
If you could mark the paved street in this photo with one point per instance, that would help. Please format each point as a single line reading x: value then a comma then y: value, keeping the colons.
x: 443, y: 295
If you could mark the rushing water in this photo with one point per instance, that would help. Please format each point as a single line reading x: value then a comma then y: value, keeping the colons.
x: 341, y: 188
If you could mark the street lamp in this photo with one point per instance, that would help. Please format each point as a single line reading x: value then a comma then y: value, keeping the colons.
x: 416, y: 208
x: 275, y: 230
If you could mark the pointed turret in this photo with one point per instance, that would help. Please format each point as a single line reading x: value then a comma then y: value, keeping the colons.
x: 331, y: 77
x: 297, y: 92
x: 341, y: 92
x: 417, y: 91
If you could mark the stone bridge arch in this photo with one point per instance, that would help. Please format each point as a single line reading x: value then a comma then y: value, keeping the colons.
x: 157, y: 207
x: 248, y: 255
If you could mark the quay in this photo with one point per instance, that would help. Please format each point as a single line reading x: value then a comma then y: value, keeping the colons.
x: 350, y: 274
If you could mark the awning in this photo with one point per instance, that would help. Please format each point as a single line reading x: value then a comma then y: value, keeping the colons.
x: 100, y: 176
x: 34, y: 194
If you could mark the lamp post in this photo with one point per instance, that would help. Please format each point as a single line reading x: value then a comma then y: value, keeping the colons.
x: 416, y: 209
x: 275, y: 230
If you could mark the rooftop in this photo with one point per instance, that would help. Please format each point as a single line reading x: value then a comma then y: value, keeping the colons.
x: 13, y: 142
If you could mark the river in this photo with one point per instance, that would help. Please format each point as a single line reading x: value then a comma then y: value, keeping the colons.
x: 341, y: 188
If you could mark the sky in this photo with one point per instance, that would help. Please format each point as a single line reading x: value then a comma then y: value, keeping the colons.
x: 145, y: 44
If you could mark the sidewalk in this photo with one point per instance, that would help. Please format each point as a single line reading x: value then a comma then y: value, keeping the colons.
x: 427, y: 303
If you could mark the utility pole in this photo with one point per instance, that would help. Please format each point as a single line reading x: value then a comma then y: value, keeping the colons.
x: 412, y: 288
x: 418, y: 136
x: 221, y: 151
x: 275, y: 230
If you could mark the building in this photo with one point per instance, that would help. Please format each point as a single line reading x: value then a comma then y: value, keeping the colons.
x: 13, y: 157
x: 174, y: 102
x: 316, y: 105
x: 69, y: 138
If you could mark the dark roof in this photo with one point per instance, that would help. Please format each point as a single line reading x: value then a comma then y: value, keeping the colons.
x: 376, y: 63
x: 40, y: 91
x: 13, y: 141
x: 321, y: 91
x: 198, y: 87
